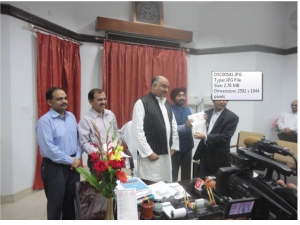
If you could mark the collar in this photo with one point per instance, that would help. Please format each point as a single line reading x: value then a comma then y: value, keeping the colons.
x: 218, y: 113
x: 161, y: 100
x: 176, y: 107
x: 95, y: 114
x: 158, y: 98
x: 55, y: 114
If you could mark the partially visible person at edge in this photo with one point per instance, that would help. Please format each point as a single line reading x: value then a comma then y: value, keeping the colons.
x: 59, y: 145
x: 287, y: 123
x: 183, y: 157
x: 214, y: 146
x: 154, y: 129
x: 102, y: 118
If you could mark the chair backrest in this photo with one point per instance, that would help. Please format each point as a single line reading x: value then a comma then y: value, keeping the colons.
x: 292, y: 147
x: 243, y: 135
x: 127, y: 137
x: 89, y: 204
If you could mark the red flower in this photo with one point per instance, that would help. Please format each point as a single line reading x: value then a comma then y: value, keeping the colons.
x: 94, y: 157
x: 121, y: 176
x: 109, y: 154
x: 115, y: 164
x: 96, y: 145
x: 123, y: 163
x: 275, y: 123
x: 100, y: 166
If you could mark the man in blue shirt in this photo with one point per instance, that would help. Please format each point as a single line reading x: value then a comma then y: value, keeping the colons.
x: 182, y: 158
x: 59, y: 145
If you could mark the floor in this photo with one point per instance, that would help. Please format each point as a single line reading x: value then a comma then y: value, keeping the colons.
x: 35, y: 205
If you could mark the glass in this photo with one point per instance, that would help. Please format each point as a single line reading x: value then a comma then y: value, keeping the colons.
x: 109, y: 209
x: 170, y: 199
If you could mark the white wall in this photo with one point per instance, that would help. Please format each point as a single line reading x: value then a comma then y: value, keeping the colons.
x: 199, y: 81
x: 215, y: 24
x: 222, y: 24
x: 18, y: 91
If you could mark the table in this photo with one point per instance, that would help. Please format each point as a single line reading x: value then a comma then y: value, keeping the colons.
x: 189, y: 185
x: 89, y: 204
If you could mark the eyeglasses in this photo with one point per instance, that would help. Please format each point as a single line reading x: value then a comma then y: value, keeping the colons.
x: 294, y: 105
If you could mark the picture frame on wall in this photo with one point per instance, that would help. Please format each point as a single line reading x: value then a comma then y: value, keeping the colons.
x: 148, y: 12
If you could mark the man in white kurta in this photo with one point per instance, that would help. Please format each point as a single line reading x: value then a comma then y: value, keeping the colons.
x: 151, y: 166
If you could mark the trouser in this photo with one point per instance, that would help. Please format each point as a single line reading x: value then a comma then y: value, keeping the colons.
x: 59, y: 185
x: 291, y: 137
x: 183, y: 160
x: 91, y: 165
x: 209, y: 165
x: 203, y: 169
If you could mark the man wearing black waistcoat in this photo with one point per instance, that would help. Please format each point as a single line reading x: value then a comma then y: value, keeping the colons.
x: 154, y: 129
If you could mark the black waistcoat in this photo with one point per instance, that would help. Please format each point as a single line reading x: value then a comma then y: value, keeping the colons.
x: 154, y: 124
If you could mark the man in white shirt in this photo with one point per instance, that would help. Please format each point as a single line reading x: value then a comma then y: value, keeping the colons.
x: 102, y: 118
x: 154, y: 129
x: 287, y: 124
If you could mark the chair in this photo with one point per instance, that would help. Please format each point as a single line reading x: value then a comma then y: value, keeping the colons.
x: 242, y: 136
x: 289, y: 161
x: 89, y: 205
x: 130, y: 160
x: 127, y: 138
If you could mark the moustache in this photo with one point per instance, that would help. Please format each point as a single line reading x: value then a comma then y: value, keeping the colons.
x: 64, y: 105
x: 102, y: 104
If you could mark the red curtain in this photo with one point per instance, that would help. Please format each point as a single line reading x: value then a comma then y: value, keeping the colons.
x: 129, y: 69
x: 58, y: 64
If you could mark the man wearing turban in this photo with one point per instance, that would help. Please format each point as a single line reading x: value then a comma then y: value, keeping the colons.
x: 182, y: 158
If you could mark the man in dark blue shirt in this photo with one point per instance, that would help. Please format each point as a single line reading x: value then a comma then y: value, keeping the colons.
x: 182, y: 158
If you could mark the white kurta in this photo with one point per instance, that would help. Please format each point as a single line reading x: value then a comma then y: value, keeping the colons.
x: 161, y: 169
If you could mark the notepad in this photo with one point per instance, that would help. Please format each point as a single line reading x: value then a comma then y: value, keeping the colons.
x: 127, y: 204
x: 136, y: 183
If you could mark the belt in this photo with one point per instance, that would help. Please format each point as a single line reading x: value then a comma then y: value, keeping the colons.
x: 73, y: 155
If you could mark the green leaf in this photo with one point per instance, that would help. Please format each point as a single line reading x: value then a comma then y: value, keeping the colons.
x: 92, y: 179
x: 111, y: 123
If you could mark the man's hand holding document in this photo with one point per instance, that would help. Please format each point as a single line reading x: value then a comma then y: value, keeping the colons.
x: 199, y: 124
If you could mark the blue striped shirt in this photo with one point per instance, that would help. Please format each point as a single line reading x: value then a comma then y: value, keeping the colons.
x: 58, y: 137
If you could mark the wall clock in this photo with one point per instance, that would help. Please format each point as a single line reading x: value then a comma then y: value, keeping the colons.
x: 148, y: 12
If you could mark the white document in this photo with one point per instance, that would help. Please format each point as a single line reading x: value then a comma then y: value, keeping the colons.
x: 161, y: 189
x: 127, y: 204
x: 180, y: 191
x: 199, y: 122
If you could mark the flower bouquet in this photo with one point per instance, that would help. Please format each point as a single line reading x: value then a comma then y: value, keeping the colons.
x: 275, y: 126
x: 107, y: 167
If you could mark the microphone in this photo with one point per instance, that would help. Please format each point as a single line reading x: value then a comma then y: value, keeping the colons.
x: 250, y: 140
x: 220, y: 200
x: 263, y: 145
x: 272, y: 147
